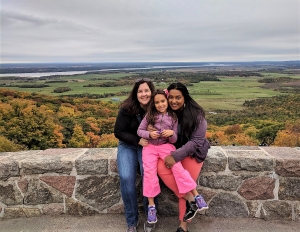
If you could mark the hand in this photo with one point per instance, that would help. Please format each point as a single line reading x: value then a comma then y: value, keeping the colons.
x: 154, y: 134
x: 167, y: 133
x: 169, y: 161
x: 143, y: 142
x: 151, y: 128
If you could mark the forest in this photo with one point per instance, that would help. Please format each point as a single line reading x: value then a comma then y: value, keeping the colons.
x: 253, y: 105
x: 36, y: 121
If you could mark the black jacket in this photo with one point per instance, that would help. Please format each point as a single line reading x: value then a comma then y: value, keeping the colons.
x: 126, y: 126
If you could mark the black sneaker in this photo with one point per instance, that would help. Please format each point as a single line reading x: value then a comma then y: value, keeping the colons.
x: 191, y: 211
x: 181, y: 230
x: 149, y: 227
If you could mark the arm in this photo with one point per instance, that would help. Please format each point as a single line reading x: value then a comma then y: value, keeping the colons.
x: 122, y: 128
x: 145, y: 133
x: 197, y: 140
x: 142, y: 130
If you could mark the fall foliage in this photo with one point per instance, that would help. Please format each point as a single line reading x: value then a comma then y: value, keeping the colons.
x: 34, y: 121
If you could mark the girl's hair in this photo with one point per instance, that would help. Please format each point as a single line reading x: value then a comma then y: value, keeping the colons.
x: 131, y: 104
x: 193, y: 113
x: 152, y: 111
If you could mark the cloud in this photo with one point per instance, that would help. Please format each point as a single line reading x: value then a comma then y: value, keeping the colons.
x: 138, y: 30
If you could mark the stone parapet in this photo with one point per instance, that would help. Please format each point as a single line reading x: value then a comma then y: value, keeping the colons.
x: 260, y: 182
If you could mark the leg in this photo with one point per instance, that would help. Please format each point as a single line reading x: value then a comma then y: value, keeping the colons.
x: 151, y: 186
x: 185, y: 183
x: 193, y: 167
x: 127, y: 160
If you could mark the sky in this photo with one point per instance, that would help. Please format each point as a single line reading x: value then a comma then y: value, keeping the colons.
x: 149, y: 30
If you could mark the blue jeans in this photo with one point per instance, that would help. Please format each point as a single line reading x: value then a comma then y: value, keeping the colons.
x: 129, y: 157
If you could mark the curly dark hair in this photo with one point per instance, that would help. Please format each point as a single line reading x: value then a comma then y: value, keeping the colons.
x: 152, y: 111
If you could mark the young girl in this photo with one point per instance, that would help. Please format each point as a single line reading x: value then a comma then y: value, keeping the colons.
x: 160, y: 145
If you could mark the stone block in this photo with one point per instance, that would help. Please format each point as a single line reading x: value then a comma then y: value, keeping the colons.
x: 253, y: 207
x: 208, y: 194
x: 23, y: 184
x: 11, y: 212
x: 289, y: 189
x: 94, y: 161
x: 8, y: 168
x: 52, y: 209
x: 227, y: 205
x: 51, y: 160
x: 65, y: 184
x: 10, y: 194
x: 78, y: 208
x: 40, y: 193
x: 287, y: 160
x: 218, y: 181
x: 258, y: 188
x: 167, y: 201
x: 119, y: 208
x: 249, y: 160
x: 215, y: 160
x: 101, y: 192
x: 32, y: 212
x: 276, y: 210
x: 240, y: 148
x: 297, y: 211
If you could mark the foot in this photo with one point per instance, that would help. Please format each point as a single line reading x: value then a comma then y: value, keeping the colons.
x: 149, y: 227
x: 181, y: 230
x: 151, y: 219
x: 191, y: 211
x: 131, y: 229
x: 201, y: 204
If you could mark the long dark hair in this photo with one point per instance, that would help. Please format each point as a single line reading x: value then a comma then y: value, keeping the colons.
x: 192, y: 112
x: 131, y: 104
x: 152, y: 111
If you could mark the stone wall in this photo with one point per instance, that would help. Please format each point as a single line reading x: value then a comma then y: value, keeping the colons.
x: 261, y: 182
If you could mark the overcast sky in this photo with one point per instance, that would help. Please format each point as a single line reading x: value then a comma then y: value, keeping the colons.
x: 149, y: 30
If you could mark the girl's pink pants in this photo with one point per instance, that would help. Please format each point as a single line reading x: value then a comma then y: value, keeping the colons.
x: 151, y: 155
x: 189, y: 164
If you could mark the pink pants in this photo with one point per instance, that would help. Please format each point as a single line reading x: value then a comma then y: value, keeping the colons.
x: 192, y: 166
x: 151, y: 154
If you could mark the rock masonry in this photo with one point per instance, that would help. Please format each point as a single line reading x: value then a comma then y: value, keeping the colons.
x: 260, y: 182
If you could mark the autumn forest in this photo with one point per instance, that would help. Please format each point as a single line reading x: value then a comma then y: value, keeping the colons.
x: 33, y: 120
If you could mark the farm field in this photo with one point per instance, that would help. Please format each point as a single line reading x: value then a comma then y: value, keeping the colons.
x: 227, y: 94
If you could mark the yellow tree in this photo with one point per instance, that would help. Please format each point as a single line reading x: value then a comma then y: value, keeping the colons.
x: 78, y: 139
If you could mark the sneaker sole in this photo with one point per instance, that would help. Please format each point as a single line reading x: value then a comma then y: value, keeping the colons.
x: 152, y: 222
x: 203, y: 208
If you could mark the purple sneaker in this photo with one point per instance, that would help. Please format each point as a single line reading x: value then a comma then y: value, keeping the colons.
x: 151, y: 219
x: 201, y: 204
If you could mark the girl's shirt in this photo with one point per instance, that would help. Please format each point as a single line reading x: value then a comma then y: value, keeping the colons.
x: 163, y: 122
x: 126, y: 126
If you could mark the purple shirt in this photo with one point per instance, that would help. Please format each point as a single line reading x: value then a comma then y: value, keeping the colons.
x: 163, y: 122
x: 196, y: 140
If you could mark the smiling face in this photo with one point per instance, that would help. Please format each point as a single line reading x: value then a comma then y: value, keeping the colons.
x: 161, y: 103
x: 144, y: 94
x: 176, y: 99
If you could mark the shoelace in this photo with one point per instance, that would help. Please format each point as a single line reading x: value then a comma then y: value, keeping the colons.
x: 152, y: 211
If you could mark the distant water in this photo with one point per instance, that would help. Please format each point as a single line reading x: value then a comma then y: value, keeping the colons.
x: 42, y: 74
